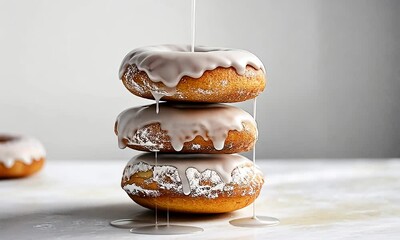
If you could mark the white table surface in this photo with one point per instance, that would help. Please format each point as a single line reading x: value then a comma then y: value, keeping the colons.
x: 314, y: 199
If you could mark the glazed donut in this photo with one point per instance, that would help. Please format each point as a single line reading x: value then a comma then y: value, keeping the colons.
x: 20, y: 156
x: 211, y: 75
x: 187, y: 128
x: 192, y: 183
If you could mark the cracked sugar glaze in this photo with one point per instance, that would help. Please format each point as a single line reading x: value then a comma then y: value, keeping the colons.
x: 19, y: 148
x: 193, y: 174
x: 182, y: 122
x: 169, y: 63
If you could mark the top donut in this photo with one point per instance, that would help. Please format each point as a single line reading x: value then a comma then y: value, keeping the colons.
x: 210, y: 75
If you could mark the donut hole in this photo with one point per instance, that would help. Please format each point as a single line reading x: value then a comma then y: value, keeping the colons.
x: 5, y: 138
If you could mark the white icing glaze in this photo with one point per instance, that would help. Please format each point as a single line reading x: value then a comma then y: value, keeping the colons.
x: 169, y: 63
x: 22, y: 148
x: 186, y: 173
x: 183, y: 122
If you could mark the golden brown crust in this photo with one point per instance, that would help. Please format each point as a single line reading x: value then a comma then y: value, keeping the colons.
x: 221, y: 85
x: 196, y: 205
x: 236, y: 141
x: 21, y: 169
x: 179, y: 202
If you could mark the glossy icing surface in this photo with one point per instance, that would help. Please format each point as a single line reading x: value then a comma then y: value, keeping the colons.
x: 169, y: 63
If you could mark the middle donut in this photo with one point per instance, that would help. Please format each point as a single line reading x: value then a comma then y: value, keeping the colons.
x: 187, y: 128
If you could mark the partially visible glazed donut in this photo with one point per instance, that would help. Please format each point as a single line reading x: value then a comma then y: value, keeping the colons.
x: 187, y: 128
x: 211, y: 75
x: 192, y: 183
x: 20, y: 156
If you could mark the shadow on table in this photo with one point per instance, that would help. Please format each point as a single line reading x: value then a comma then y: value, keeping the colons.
x: 87, y: 220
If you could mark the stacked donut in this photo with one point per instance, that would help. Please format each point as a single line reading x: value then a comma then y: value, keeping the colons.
x: 193, y: 140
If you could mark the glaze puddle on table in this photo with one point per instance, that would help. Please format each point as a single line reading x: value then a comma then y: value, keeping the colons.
x: 144, y: 227
x: 126, y: 223
x: 165, y: 229
x: 258, y: 221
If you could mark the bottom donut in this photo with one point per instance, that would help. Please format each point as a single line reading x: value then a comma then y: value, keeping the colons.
x: 192, y: 183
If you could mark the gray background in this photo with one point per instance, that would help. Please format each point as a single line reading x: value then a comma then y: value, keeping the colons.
x: 333, y: 67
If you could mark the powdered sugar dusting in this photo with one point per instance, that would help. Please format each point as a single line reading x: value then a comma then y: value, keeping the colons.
x: 142, y: 138
x: 167, y: 178
x: 137, y: 190
x: 131, y: 169
x: 208, y: 183
x: 204, y: 184
x: 196, y: 146
x: 249, y: 73
x: 205, y: 91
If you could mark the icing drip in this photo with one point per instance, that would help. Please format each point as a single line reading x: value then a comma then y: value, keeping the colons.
x: 183, y: 122
x: 169, y: 63
x: 21, y: 148
x: 157, y: 96
x: 193, y: 24
x: 254, y: 148
x: 188, y: 173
